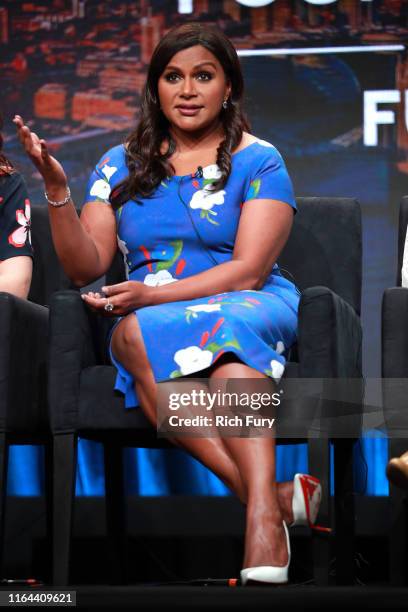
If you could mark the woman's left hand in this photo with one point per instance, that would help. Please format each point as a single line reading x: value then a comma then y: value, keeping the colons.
x: 124, y: 297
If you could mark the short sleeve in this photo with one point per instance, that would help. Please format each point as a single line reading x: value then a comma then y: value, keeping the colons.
x: 105, y: 176
x: 269, y: 178
x: 15, y: 218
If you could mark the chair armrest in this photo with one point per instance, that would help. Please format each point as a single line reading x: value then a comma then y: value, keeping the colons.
x: 71, y: 349
x: 394, y: 360
x: 329, y: 336
x: 330, y: 344
x: 395, y: 333
x: 23, y: 355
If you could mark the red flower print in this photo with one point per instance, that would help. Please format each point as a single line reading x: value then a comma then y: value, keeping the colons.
x: 217, y: 325
x: 253, y: 300
x: 180, y: 266
x: 204, y: 338
x: 105, y: 161
x: 147, y: 255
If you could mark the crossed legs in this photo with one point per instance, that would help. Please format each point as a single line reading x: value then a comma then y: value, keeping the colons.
x: 265, y: 541
x: 245, y: 465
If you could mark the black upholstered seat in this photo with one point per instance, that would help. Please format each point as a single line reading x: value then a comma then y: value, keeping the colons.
x: 23, y: 359
x: 395, y: 366
x: 324, y: 256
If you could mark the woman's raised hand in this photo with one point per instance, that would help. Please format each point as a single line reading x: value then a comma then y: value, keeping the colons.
x: 36, y: 149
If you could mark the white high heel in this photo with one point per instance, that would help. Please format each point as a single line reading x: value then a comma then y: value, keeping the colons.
x: 268, y: 574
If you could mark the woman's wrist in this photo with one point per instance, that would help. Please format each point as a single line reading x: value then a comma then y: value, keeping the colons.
x: 151, y: 296
x: 162, y: 294
x: 54, y: 199
x: 56, y: 192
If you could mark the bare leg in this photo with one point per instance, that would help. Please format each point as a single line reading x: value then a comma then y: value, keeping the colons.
x: 128, y: 347
x: 265, y: 542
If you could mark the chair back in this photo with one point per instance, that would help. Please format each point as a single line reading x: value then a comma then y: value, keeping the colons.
x: 402, y: 232
x: 325, y: 247
x: 48, y: 275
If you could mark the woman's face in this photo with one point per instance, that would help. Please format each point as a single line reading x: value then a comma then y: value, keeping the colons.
x: 192, y: 89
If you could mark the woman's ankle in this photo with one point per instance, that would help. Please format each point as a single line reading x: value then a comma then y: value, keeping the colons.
x: 265, y: 543
x: 285, y: 497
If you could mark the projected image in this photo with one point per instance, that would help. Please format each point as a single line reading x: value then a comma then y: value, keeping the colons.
x: 76, y: 69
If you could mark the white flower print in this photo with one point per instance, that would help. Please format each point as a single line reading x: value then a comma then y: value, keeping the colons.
x: 19, y: 236
x: 211, y: 172
x: 101, y: 189
x: 205, y: 200
x: 204, y: 307
x: 108, y: 171
x: 277, y: 369
x: 280, y: 347
x: 124, y: 250
x: 160, y: 278
x: 122, y: 246
x: 192, y: 359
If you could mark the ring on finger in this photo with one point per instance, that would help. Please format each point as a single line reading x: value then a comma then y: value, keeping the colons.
x: 108, y: 306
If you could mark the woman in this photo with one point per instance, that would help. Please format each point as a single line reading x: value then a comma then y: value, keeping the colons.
x: 15, y: 241
x: 194, y: 198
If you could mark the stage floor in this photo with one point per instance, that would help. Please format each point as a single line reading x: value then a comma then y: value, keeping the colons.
x: 288, y: 597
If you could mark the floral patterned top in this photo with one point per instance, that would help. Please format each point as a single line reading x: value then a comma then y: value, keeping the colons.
x: 155, y: 234
x: 15, y: 217
x: 184, y: 228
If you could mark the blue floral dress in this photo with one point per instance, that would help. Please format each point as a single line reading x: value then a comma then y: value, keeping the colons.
x: 161, y: 245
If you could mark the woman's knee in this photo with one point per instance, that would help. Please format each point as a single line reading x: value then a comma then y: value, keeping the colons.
x: 228, y: 365
x: 127, y: 341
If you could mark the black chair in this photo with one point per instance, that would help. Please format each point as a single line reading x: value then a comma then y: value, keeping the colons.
x: 395, y: 366
x: 23, y: 361
x: 324, y: 256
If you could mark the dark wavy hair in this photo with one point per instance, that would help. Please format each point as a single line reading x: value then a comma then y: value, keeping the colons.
x: 146, y: 164
x: 6, y: 167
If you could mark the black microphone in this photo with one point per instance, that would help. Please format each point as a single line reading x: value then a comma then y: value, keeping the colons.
x: 199, y: 172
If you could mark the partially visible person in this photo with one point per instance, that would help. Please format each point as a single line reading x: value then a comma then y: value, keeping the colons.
x: 397, y: 471
x: 15, y: 239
